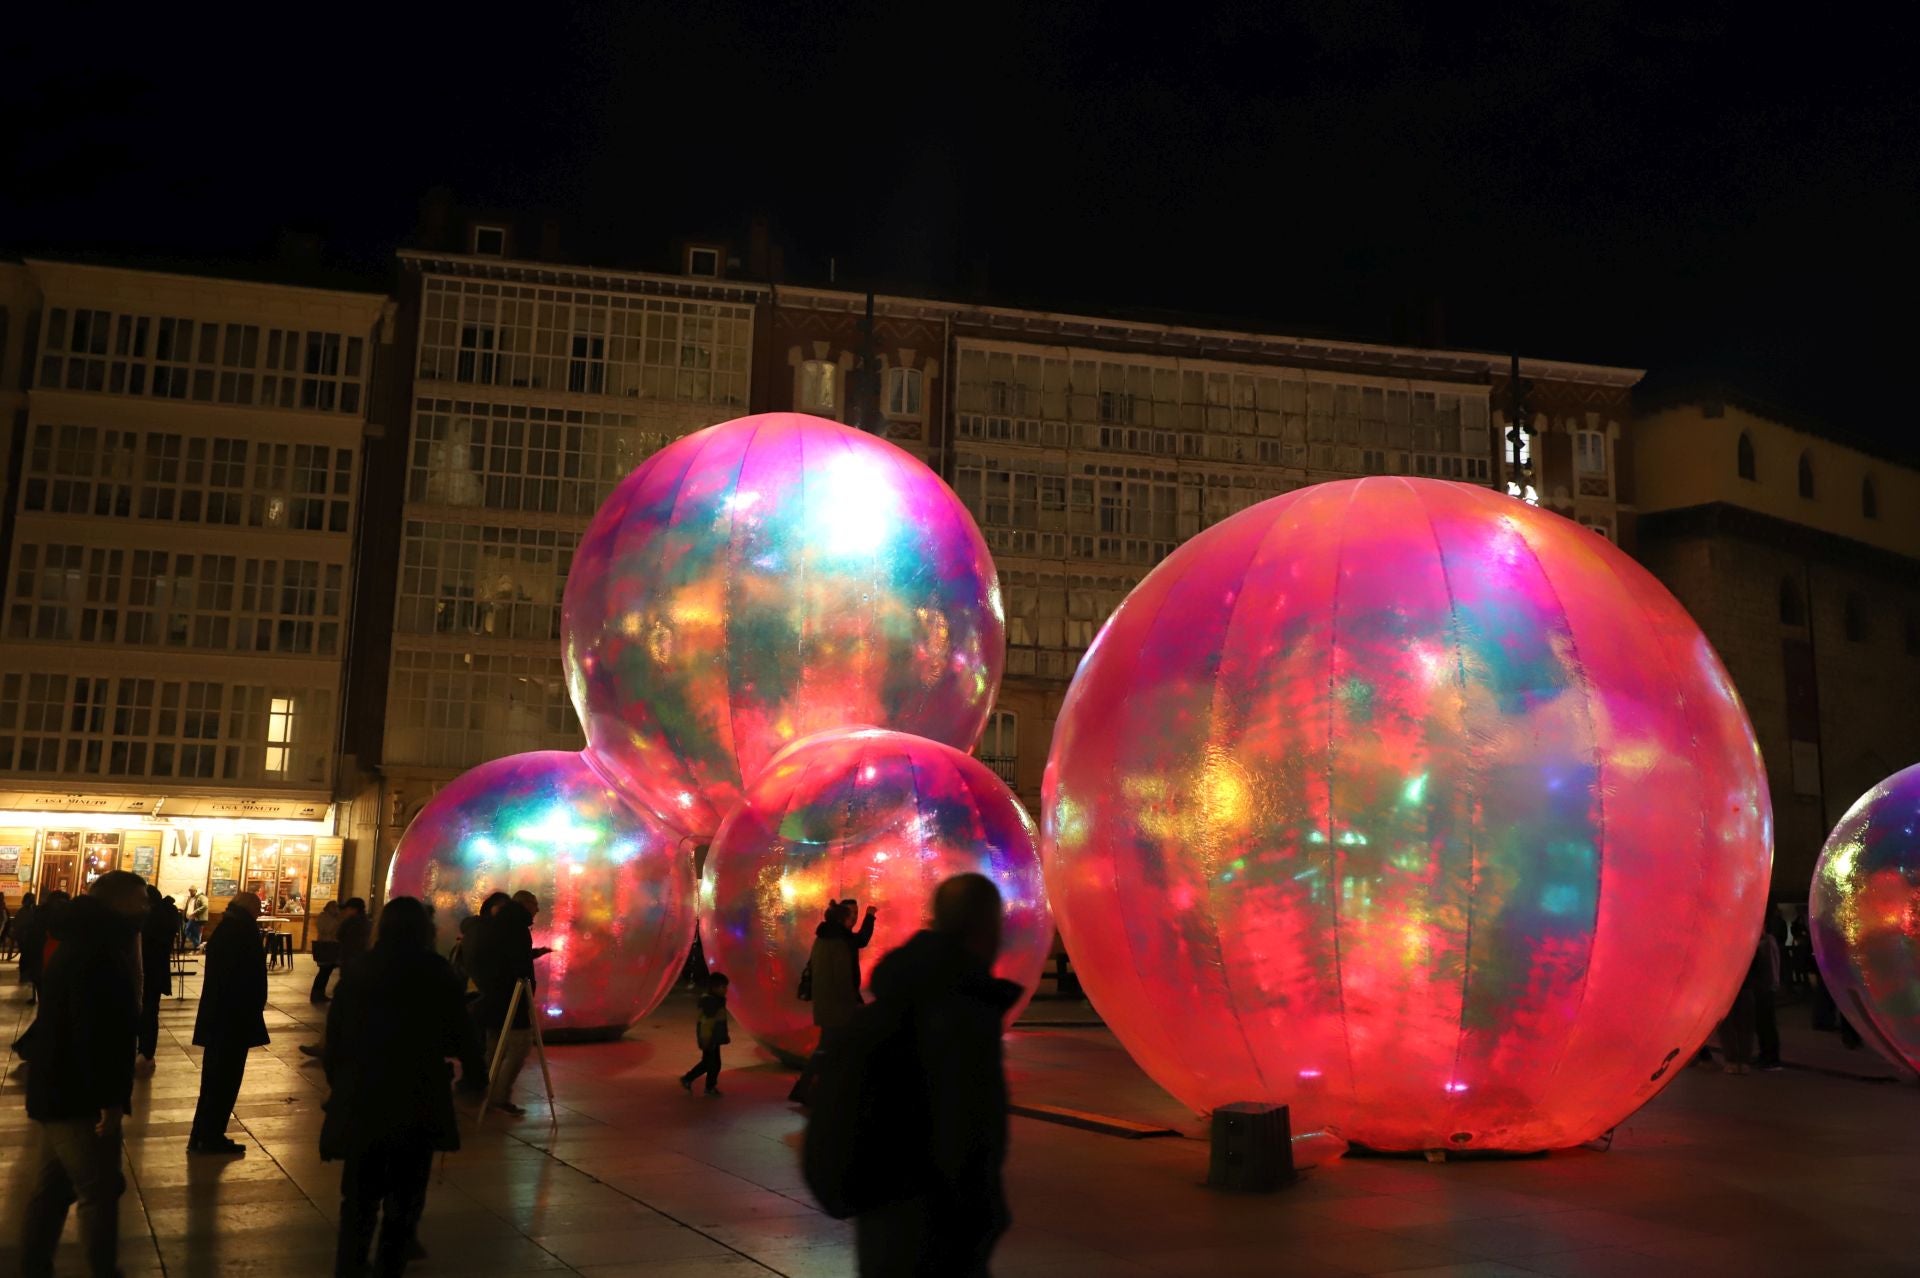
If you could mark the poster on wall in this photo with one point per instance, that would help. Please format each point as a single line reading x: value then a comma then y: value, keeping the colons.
x: 9, y: 861
x: 223, y: 875
x: 141, y: 850
x: 16, y: 855
x: 326, y: 876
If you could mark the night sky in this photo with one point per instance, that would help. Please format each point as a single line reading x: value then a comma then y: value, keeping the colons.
x: 1687, y: 188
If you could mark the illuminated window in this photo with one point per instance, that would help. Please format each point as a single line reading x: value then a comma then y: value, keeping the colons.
x: 1869, y: 498
x: 1590, y: 452
x: 1745, y: 459
x: 279, y: 735
x: 1806, y: 476
x: 816, y: 392
x: 905, y: 391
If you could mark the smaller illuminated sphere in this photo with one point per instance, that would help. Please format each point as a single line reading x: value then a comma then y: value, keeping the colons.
x: 880, y: 817
x: 765, y: 579
x: 615, y: 887
x: 1865, y: 916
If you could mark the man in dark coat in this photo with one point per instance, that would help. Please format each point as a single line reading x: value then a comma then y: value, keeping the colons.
x: 505, y: 959
x: 397, y: 1017
x: 950, y: 1207
x: 80, y: 1084
x: 232, y: 1021
x: 157, y: 937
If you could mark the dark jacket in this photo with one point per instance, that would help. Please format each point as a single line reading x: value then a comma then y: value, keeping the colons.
x: 354, y: 936
x: 89, y: 1013
x: 397, y: 1016
x: 503, y: 958
x: 953, y: 1006
x: 30, y: 934
x: 157, y: 936
x: 835, y: 961
x: 233, y: 997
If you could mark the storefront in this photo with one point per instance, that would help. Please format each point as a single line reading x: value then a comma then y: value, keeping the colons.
x: 283, y: 850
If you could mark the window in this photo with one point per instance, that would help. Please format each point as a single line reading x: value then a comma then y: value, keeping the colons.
x: 817, y: 387
x: 1913, y: 635
x: 1806, y: 476
x: 490, y: 241
x: 1853, y: 618
x: 1000, y: 745
x: 1745, y: 460
x: 1597, y: 526
x: 279, y: 733
x: 1869, y: 498
x: 1590, y: 452
x: 1793, y: 608
x: 703, y: 261
x: 905, y: 387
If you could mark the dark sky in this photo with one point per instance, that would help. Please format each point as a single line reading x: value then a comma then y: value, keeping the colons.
x: 1690, y: 188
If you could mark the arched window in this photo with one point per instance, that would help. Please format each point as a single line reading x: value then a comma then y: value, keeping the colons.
x: 1854, y: 618
x: 1793, y: 609
x: 1806, y: 476
x: 1747, y: 468
x: 1869, y: 498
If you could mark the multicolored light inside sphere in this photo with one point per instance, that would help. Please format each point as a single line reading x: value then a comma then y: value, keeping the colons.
x: 765, y: 579
x: 1864, y: 916
x: 615, y: 887
x: 880, y: 817
x: 1424, y: 811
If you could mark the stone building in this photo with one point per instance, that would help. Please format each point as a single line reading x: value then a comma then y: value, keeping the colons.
x: 521, y: 392
x: 1087, y: 448
x: 1799, y: 554
x: 181, y: 502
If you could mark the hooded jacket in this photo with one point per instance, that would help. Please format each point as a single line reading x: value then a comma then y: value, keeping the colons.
x: 89, y: 1015
x: 955, y: 1007
x: 397, y: 1017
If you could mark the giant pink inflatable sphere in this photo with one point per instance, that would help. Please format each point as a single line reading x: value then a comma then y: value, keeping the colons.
x: 880, y: 817
x: 765, y: 579
x: 1865, y: 916
x: 615, y: 886
x: 1424, y: 811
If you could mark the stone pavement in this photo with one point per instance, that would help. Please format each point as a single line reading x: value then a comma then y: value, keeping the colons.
x: 1796, y: 1173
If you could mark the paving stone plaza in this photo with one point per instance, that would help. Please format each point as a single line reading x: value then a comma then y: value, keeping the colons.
x: 1812, y: 1170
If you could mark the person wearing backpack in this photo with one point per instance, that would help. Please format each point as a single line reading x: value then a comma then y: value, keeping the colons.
x: 909, y: 1129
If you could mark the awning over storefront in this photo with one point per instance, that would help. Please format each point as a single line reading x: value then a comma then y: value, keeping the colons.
x: 236, y: 807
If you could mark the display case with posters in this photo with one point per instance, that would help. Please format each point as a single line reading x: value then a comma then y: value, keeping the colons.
x: 140, y: 852
x: 16, y: 864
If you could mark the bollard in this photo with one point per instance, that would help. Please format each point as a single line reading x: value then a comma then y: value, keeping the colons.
x: 1252, y: 1147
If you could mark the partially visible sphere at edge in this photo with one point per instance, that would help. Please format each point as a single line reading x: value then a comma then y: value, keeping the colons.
x: 615, y: 886
x: 1864, y: 916
x: 765, y: 579
x: 1417, y: 808
x: 883, y: 818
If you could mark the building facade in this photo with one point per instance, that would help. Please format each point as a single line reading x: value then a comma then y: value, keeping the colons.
x: 1088, y: 448
x: 527, y: 391
x: 1799, y: 555
x: 179, y: 570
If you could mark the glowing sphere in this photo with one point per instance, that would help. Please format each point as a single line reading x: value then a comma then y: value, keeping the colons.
x: 883, y: 818
x: 1422, y: 810
x: 763, y: 580
x: 1865, y: 916
x: 615, y: 887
